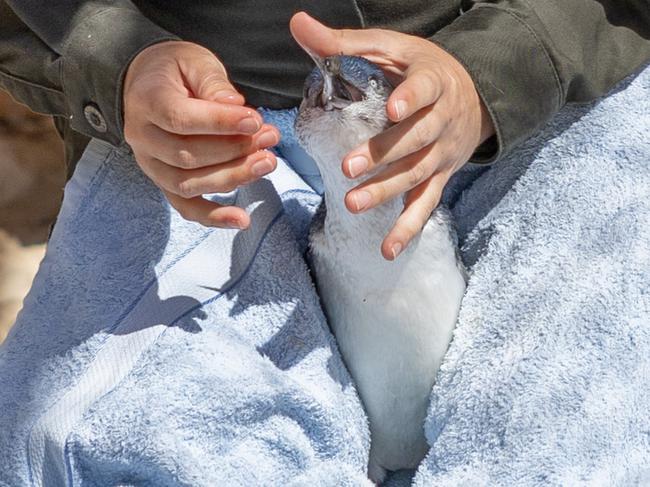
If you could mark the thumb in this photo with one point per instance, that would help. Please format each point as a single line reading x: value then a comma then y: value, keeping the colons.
x: 207, y: 79
x: 317, y: 38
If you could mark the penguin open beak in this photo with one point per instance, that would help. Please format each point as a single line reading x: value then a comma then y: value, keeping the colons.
x: 336, y: 92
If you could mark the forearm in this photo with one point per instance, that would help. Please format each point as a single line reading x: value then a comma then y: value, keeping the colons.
x: 528, y: 59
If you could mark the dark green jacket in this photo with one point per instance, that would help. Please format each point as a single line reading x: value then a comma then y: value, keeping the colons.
x: 527, y: 57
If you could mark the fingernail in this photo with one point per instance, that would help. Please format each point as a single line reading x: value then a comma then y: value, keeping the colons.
x: 267, y: 139
x: 249, y: 125
x: 361, y: 199
x: 396, y: 249
x: 235, y: 224
x: 357, y: 165
x: 226, y: 95
x: 400, y: 108
x: 262, y: 167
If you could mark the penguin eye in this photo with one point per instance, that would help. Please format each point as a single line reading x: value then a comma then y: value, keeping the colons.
x: 372, y: 81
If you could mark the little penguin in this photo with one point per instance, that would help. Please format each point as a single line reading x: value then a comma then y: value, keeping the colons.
x: 393, y: 321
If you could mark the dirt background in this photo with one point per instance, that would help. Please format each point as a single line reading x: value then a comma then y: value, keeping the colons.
x: 32, y: 176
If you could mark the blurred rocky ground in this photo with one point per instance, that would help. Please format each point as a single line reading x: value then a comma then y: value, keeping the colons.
x: 32, y: 176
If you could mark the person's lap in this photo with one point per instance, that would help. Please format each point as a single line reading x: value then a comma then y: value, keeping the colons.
x: 147, y: 338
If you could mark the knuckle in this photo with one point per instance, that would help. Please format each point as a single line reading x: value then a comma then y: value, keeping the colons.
x: 428, y: 79
x: 428, y: 85
x: 185, y: 188
x: 444, y: 157
x: 381, y: 193
x: 177, y: 119
x: 185, y: 158
x: 436, y: 76
x: 230, y: 183
x: 415, y: 175
x: 411, y: 228
x: 243, y: 176
x: 212, y: 84
x: 421, y: 136
x: 418, y: 78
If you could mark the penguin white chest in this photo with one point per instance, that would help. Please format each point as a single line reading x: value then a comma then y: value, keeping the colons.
x: 393, y: 322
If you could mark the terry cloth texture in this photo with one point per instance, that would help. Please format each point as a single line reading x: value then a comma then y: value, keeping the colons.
x: 547, y: 380
x: 152, y: 351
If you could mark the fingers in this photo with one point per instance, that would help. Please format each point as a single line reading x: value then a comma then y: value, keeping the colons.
x: 188, y: 116
x: 190, y: 132
x: 190, y: 183
x: 195, y: 151
x: 421, y: 87
x: 323, y: 41
x: 396, y: 142
x: 397, y: 178
x: 208, y: 213
x: 418, y: 205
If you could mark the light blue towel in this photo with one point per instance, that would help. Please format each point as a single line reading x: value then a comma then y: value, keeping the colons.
x: 547, y: 379
x: 152, y: 351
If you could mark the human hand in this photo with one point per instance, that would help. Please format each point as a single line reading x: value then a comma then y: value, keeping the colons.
x: 190, y: 131
x: 440, y: 121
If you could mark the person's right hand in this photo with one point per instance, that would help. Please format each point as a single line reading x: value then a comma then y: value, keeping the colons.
x: 190, y: 131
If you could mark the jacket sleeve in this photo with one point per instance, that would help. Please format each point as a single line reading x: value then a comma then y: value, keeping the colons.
x: 69, y: 58
x: 528, y: 58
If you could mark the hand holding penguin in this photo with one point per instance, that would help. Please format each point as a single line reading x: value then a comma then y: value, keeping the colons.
x: 440, y: 121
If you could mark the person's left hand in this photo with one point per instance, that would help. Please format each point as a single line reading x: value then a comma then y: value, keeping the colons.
x: 440, y: 121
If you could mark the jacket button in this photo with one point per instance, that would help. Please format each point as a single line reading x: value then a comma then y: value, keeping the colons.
x: 95, y: 118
